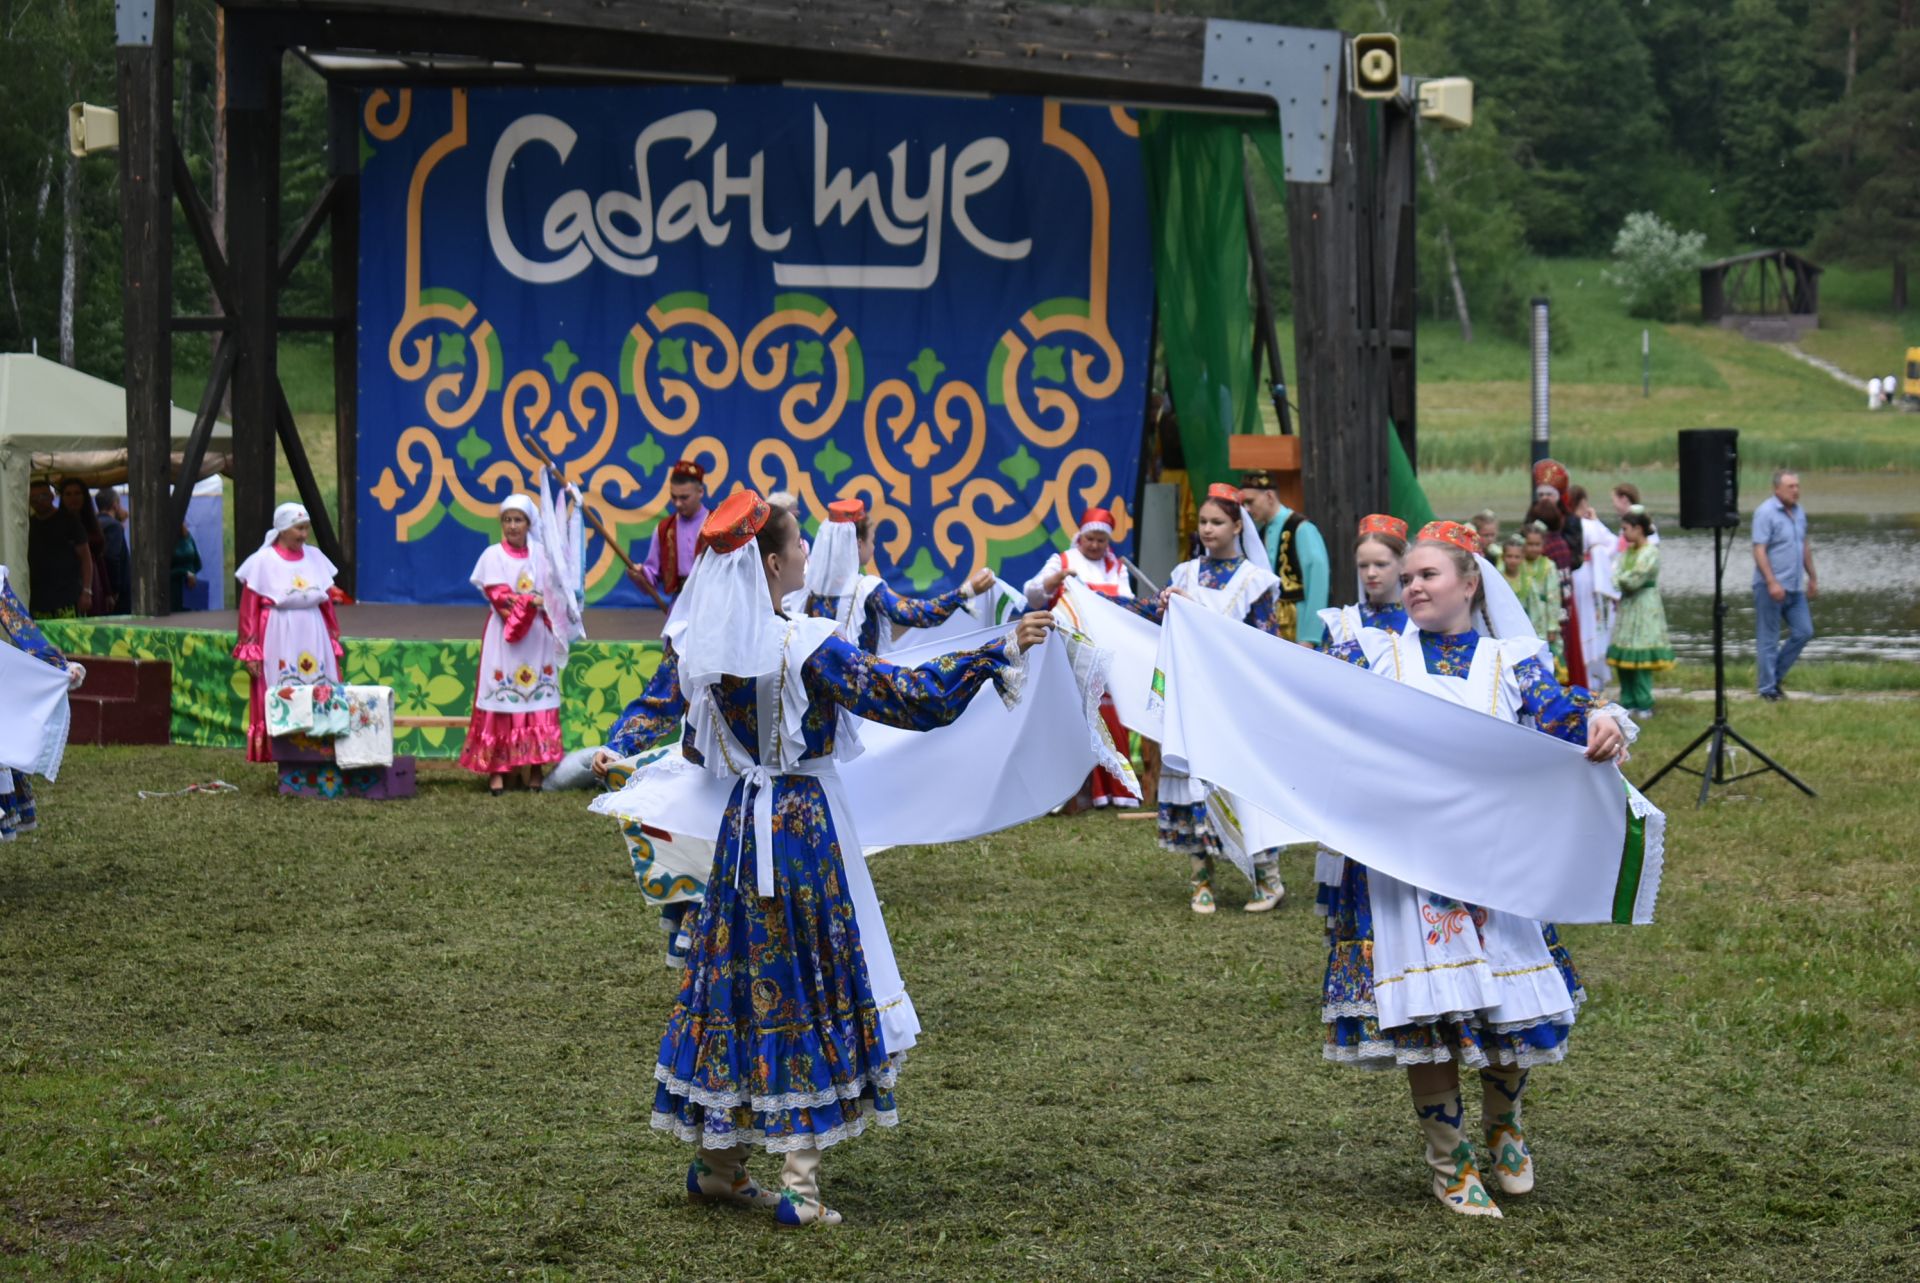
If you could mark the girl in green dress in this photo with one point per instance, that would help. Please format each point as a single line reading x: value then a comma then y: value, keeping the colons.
x: 1640, y: 647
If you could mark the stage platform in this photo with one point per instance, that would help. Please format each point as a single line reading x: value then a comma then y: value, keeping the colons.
x: 428, y: 654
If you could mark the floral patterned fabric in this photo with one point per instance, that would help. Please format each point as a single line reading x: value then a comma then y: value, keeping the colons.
x: 909, y: 612
x: 654, y: 717
x: 775, y: 1040
x: 17, y: 629
x: 1353, y: 1032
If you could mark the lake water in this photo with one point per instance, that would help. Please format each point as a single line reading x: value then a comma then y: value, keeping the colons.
x: 1869, y: 603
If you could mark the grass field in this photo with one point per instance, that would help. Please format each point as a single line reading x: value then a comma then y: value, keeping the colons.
x: 258, y: 1039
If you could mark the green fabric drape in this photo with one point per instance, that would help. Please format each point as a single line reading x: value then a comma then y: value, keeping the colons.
x: 1194, y: 199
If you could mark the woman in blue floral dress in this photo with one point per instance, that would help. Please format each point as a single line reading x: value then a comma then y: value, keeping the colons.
x: 1233, y: 579
x: 839, y: 588
x: 1424, y: 983
x: 792, y: 1022
x: 18, y: 813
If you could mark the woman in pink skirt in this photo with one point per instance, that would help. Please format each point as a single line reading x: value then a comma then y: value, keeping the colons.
x: 515, y: 727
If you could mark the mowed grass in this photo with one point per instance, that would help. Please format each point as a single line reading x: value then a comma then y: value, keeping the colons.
x: 254, y: 1039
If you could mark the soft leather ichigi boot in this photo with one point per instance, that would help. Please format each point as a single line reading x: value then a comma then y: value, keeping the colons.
x: 1202, y: 901
x: 720, y: 1176
x: 1456, y: 1181
x: 800, y: 1203
x: 1512, y: 1160
x: 1268, y: 890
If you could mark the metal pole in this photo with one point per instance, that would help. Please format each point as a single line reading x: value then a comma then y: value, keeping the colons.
x: 1646, y: 364
x: 1541, y: 329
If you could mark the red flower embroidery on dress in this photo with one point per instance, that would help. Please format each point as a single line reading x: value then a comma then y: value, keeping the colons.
x: 1443, y: 923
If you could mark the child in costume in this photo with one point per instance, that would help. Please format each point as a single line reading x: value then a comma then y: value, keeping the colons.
x: 792, y: 1022
x: 1416, y: 980
x: 1231, y: 578
x: 1639, y: 647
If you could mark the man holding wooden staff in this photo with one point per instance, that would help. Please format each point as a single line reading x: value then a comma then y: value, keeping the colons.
x: 674, y: 541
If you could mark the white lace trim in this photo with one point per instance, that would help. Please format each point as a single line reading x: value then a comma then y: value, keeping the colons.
x: 1011, y: 681
x: 881, y: 1079
x: 1092, y: 668
x: 1364, y: 1010
x: 776, y: 1144
x: 1384, y: 1055
x: 1654, y: 863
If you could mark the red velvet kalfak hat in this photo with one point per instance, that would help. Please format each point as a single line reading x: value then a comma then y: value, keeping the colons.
x: 1224, y: 493
x: 737, y: 520
x: 1096, y: 519
x: 1379, y: 523
x: 688, y: 470
x: 1465, y: 538
x: 849, y: 511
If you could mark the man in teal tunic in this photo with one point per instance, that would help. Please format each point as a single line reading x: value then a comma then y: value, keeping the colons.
x: 1297, y: 554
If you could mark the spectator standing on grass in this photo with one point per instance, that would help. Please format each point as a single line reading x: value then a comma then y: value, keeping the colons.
x: 1640, y: 646
x: 77, y: 499
x: 1784, y: 583
x: 183, y: 570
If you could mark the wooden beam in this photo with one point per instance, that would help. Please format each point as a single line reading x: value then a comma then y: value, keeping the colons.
x: 310, y: 224
x: 303, y: 479
x: 1399, y: 180
x: 253, y: 264
x: 200, y: 324
x: 343, y: 161
x: 200, y: 226
x: 224, y: 355
x: 984, y: 46
x: 143, y: 63
x: 1340, y: 368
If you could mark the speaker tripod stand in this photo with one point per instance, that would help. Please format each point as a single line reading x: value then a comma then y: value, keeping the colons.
x: 1715, y: 737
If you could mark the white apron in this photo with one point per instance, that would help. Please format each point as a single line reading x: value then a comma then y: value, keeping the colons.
x: 296, y: 648
x: 521, y: 676
x: 899, y: 1024
x: 1434, y: 957
x: 1245, y: 831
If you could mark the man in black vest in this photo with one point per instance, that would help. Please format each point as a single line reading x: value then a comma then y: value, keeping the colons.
x: 1297, y: 554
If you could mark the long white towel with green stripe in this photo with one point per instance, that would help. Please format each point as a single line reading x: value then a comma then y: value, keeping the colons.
x: 1413, y: 780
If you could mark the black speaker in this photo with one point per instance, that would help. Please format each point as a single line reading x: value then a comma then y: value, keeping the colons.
x: 1709, y: 478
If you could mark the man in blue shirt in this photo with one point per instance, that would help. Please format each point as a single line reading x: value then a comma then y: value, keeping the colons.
x: 1783, y: 583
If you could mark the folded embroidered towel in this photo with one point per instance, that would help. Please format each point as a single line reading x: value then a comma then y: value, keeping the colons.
x: 368, y: 737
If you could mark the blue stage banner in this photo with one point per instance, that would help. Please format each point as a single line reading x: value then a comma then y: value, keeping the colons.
x: 940, y: 306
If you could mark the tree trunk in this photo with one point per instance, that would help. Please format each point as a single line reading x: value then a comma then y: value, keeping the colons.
x: 1446, y: 244
x: 69, y: 254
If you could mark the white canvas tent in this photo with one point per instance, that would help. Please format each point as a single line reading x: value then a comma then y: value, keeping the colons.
x: 55, y: 421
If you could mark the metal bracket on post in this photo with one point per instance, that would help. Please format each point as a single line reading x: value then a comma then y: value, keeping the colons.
x: 133, y: 23
x: 1297, y: 67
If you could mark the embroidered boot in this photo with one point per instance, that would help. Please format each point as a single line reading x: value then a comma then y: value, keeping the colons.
x: 1456, y: 1182
x: 1500, y: 1091
x: 720, y: 1175
x: 1268, y: 890
x: 1202, y: 901
x: 800, y: 1203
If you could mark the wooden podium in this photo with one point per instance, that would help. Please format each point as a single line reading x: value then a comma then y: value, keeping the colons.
x: 1278, y: 455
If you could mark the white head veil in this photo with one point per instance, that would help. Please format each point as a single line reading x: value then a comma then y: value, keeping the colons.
x: 1252, y: 546
x: 833, y: 566
x: 1503, y: 616
x: 285, y: 518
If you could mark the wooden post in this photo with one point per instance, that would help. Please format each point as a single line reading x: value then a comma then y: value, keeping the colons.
x: 253, y: 263
x: 1399, y: 182
x: 143, y: 57
x: 343, y: 163
x: 1339, y: 308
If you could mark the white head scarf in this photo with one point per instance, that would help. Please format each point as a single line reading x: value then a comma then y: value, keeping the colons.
x: 1503, y: 616
x: 522, y: 504
x: 1252, y: 546
x: 833, y: 567
x: 285, y: 518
